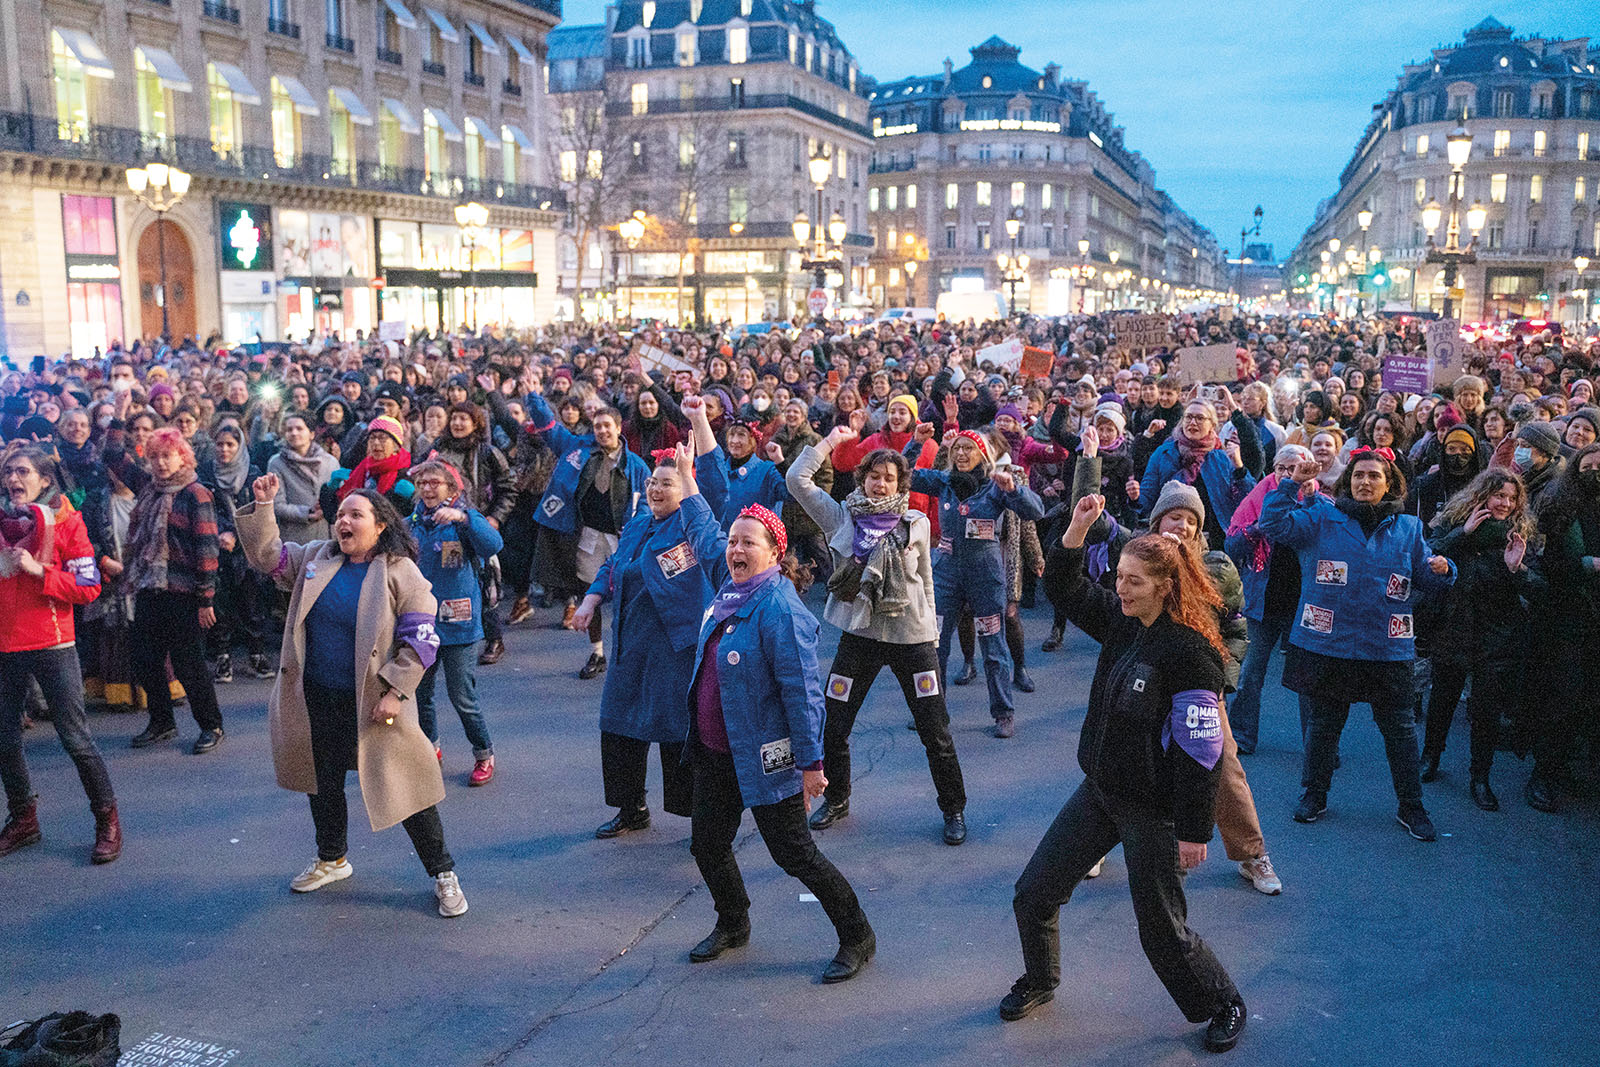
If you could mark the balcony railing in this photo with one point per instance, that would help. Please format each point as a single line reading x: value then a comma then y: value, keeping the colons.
x: 752, y: 102
x: 511, y: 88
x: 216, y: 9
x: 430, y: 67
x: 123, y: 147
x: 283, y: 28
x: 476, y: 80
x: 891, y: 166
x: 389, y: 55
x: 339, y: 43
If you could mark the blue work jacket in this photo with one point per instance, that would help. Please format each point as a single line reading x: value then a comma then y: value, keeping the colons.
x: 558, y: 508
x: 767, y: 675
x: 1357, y: 595
x: 449, y: 556
x: 1225, y: 486
x: 969, y: 530
x: 759, y: 481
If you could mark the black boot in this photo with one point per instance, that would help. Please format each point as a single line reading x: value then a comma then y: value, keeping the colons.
x: 720, y: 940
x: 491, y: 653
x: 1226, y: 1026
x: 1022, y: 681
x: 1430, y: 766
x: 1483, y: 796
x: 594, y: 668
x: 1539, y: 794
x: 625, y: 822
x: 968, y: 673
x: 850, y: 958
x: 1052, y: 642
x: 828, y: 813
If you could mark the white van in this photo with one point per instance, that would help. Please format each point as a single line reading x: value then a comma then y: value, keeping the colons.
x: 986, y: 305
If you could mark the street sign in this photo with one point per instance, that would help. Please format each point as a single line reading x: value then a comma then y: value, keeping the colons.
x: 817, y: 302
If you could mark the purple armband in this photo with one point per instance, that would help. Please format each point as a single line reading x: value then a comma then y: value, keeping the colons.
x: 415, y: 628
x: 1196, y: 725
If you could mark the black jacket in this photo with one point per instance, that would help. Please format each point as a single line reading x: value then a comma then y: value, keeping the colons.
x: 1139, y: 672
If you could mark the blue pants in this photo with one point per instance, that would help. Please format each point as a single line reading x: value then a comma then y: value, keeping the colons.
x: 1245, y: 710
x: 461, y: 683
x: 996, y: 657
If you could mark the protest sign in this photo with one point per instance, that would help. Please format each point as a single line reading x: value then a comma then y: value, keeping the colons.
x: 1446, y: 354
x: 1007, y: 354
x: 392, y: 330
x: 1207, y: 363
x: 652, y: 358
x: 1143, y: 331
x: 1036, y: 363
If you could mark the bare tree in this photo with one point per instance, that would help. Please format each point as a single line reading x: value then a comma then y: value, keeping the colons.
x: 591, y: 166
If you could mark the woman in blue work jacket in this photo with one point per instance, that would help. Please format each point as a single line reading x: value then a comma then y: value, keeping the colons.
x: 596, y: 488
x: 659, y: 593
x: 1362, y: 565
x: 755, y: 730
x: 968, y: 570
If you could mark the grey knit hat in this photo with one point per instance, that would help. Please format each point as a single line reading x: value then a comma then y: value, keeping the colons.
x: 1175, y: 495
x: 1540, y: 435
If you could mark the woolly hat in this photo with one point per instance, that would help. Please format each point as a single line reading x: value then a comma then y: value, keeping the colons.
x: 1446, y: 415
x: 1461, y: 433
x: 392, y: 427
x: 1589, y: 415
x: 1177, y: 496
x: 161, y: 389
x: 1541, y: 435
x: 1112, y: 413
x: 909, y: 401
x: 1012, y: 410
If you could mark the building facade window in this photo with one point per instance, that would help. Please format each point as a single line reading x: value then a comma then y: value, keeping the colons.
x: 1536, y: 188
x: 985, y: 194
x: 1502, y: 142
x: 435, y: 151
x: 1046, y: 196
x: 1460, y: 105
x: 736, y: 92
x: 736, y: 149
x: 685, y: 149
x: 1497, y: 235
x: 640, y: 95
x: 155, y: 102
x: 911, y: 196
x: 892, y: 198
x: 341, y: 133
x: 738, y: 204
x: 950, y: 237
x: 568, y: 163
x: 72, y: 92
x: 1422, y: 145
x: 391, y: 142
x: 1505, y: 103
x: 872, y: 198
x: 1579, y: 190
x: 594, y: 163
x: 285, y: 126
x: 1019, y: 193
x: 952, y: 196
x: 638, y: 50
x: 509, y: 151
x: 1540, y: 141
x: 1497, y: 188
x: 738, y: 44
x: 227, y: 116
x: 1419, y: 191
x: 688, y: 46
x: 983, y: 236
x: 474, y: 154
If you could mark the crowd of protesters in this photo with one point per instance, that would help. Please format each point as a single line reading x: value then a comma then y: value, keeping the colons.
x: 384, y: 513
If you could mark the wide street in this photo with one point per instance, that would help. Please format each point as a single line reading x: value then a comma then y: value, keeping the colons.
x: 1479, y: 949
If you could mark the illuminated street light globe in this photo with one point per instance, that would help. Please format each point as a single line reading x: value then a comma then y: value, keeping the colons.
x: 1477, y: 215
x: 1431, y: 216
x: 1458, y: 147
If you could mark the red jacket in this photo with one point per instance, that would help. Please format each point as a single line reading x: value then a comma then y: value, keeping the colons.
x: 36, y: 613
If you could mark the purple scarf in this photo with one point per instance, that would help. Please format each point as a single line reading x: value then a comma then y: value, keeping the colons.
x: 735, y: 595
x: 1097, y: 557
x: 869, y: 530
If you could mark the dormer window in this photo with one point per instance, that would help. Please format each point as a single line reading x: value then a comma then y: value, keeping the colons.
x: 648, y: 14
x: 988, y: 82
x: 745, y: 7
x: 688, y: 41
x: 638, y: 49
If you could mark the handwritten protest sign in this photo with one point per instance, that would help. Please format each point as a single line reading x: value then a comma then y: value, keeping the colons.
x: 1143, y: 331
x: 1007, y: 354
x: 653, y: 358
x: 1446, y: 354
x: 1036, y: 362
x: 1207, y: 363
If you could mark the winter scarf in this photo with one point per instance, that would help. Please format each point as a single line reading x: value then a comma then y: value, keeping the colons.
x: 304, y: 476
x: 1192, y: 454
x: 1369, y: 516
x: 735, y: 595
x: 148, y: 547
x: 231, y: 477
x: 877, y: 566
x: 384, y: 472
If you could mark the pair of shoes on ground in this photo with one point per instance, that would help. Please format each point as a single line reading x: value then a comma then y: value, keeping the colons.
x: 830, y: 812
x: 1222, y: 1032
x: 446, y: 886
x: 845, y: 965
x: 154, y: 735
x: 1313, y: 806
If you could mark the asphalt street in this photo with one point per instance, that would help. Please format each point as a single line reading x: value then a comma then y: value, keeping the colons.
x: 1479, y: 949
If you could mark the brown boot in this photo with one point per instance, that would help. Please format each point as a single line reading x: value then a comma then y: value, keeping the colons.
x: 21, y: 829
x: 520, y: 611
x: 567, y: 613
x: 107, y: 835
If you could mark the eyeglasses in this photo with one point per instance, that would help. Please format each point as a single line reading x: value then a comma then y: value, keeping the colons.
x: 1196, y: 416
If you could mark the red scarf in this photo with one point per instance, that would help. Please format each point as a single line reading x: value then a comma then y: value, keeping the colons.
x: 385, y: 472
x: 1191, y: 454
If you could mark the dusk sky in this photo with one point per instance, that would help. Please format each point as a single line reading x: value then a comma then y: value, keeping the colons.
x: 1234, y: 103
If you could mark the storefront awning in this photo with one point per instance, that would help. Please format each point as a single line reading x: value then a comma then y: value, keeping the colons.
x: 452, y: 132
x: 167, y: 69
x: 515, y: 133
x: 490, y: 45
x: 408, y: 122
x: 483, y: 130
x: 523, y: 55
x: 304, y: 102
x: 80, y: 44
x: 447, y: 29
x: 352, y: 104
x: 402, y: 15
x: 238, y: 84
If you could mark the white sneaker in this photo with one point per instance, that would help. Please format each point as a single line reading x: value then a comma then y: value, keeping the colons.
x: 321, y: 873
x: 1094, y: 872
x: 448, y: 889
x: 1259, y: 873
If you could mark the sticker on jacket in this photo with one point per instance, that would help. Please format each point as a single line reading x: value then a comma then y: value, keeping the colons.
x: 1196, y: 725
x: 677, y: 559
x: 839, y: 687
x: 1399, y: 587
x: 575, y: 459
x: 988, y: 625
x: 1317, y: 619
x: 84, y: 570
x: 457, y: 610
x: 777, y: 756
x: 552, y: 504
x: 1333, y: 572
x: 980, y: 529
x: 945, y: 544
x: 450, y: 554
x: 1400, y: 627
x: 926, y: 683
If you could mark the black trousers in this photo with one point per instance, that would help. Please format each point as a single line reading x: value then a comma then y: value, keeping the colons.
x: 168, y: 625
x: 1495, y: 690
x: 623, y: 763
x: 516, y: 559
x: 856, y: 664
x: 333, y: 751
x: 718, y: 809
x: 241, y: 604
x: 1088, y: 826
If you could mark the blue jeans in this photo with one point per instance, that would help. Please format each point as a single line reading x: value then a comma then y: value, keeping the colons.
x: 461, y: 683
x: 1245, y: 710
x: 57, y: 672
x: 996, y: 660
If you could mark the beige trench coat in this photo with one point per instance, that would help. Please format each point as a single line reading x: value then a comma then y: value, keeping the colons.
x: 399, y: 773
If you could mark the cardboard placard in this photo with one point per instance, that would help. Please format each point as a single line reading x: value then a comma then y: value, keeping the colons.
x: 1036, y: 363
x: 1143, y: 331
x: 392, y: 330
x: 1207, y: 363
x: 1446, y: 354
x: 1007, y: 354
x: 652, y: 358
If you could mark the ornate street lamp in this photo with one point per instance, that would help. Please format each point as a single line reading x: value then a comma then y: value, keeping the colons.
x: 1458, y: 149
x: 472, y: 217
x: 911, y: 277
x: 159, y: 187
